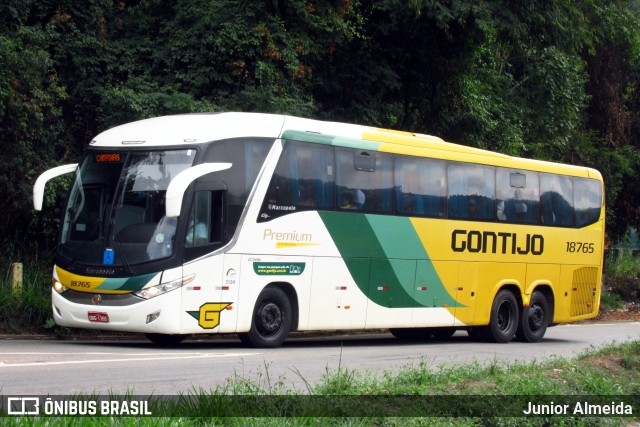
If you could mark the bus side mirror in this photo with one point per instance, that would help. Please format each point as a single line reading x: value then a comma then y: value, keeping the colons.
x: 179, y: 184
x: 38, y: 187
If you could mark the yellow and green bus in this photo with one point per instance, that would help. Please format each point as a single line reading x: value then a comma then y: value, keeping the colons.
x: 260, y: 225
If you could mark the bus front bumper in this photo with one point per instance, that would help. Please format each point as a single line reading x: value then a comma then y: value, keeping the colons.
x: 160, y: 314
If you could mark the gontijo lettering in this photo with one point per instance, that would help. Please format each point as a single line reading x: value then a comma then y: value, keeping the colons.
x: 490, y: 242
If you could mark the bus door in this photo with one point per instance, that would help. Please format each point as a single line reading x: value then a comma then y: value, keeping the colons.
x: 212, y: 289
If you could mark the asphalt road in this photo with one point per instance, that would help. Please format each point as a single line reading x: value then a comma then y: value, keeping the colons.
x: 63, y: 367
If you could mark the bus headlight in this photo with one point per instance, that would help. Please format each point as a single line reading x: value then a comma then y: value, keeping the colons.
x: 59, y: 287
x: 163, y: 288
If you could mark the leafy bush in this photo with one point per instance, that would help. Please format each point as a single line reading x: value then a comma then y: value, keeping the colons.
x: 26, y: 309
x: 622, y: 275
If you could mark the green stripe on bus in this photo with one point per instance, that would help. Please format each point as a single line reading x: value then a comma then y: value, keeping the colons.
x: 397, y: 237
x: 126, y: 284
x: 356, y: 143
x: 318, y: 138
x: 386, y: 259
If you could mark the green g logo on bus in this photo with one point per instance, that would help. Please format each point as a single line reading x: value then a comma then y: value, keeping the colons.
x: 209, y: 315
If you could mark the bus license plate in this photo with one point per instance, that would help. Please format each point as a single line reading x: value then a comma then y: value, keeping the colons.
x: 95, y: 316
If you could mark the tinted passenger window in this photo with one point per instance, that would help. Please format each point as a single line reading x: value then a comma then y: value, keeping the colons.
x: 471, y: 191
x: 518, y: 195
x: 587, y: 201
x: 246, y: 156
x: 364, y: 181
x: 556, y: 200
x: 303, y: 180
x: 420, y: 187
x: 206, y: 219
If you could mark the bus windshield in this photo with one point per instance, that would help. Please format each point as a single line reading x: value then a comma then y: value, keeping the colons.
x: 116, y: 209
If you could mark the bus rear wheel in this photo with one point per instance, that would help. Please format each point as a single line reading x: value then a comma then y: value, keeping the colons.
x: 534, y: 319
x: 271, y: 321
x: 505, y: 313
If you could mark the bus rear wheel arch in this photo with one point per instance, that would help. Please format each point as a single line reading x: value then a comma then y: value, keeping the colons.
x: 271, y: 321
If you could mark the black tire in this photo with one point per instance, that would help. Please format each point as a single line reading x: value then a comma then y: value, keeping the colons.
x: 166, y: 339
x: 534, y: 319
x: 442, y: 333
x: 271, y: 321
x: 505, y: 314
x: 411, y: 334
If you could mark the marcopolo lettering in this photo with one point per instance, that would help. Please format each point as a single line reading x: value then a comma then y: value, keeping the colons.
x: 491, y: 242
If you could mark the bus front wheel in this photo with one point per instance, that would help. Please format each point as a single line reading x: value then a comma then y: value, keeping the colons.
x: 534, y: 319
x: 271, y: 321
x: 505, y: 313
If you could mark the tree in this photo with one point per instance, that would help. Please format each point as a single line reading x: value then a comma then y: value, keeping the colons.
x: 547, y: 79
x: 31, y: 130
x: 614, y: 111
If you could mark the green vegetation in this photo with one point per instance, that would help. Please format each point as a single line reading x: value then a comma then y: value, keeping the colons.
x: 547, y: 79
x: 622, y: 279
x: 623, y: 264
x: 27, y: 309
x: 611, y: 300
x: 494, y: 394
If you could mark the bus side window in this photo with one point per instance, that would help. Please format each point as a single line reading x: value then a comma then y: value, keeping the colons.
x: 588, y: 200
x: 556, y: 200
x: 420, y: 187
x: 471, y: 191
x: 206, y: 219
x: 364, y: 181
x: 303, y: 180
x: 517, y: 196
x: 247, y: 155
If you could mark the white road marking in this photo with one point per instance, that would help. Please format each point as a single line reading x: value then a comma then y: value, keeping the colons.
x: 97, y: 353
x: 134, y: 359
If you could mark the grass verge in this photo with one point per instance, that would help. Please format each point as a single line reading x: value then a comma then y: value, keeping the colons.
x: 26, y: 309
x: 466, y: 395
